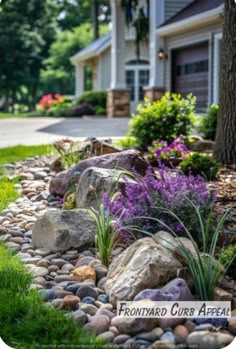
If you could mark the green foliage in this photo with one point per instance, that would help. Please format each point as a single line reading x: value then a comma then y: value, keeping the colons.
x: 209, y: 122
x: 107, y: 233
x: 59, y: 110
x: 128, y: 142
x: 198, y: 164
x: 58, y: 72
x: 164, y: 119
x: 13, y: 274
x: 21, y: 152
x: 228, y: 256
x: 8, y: 193
x: 95, y: 98
x: 100, y: 111
x: 26, y: 322
x: 27, y: 29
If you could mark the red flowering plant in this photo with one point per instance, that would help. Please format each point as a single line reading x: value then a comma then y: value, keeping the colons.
x: 173, y: 153
x: 50, y: 100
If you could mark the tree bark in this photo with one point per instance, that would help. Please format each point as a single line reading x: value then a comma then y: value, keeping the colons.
x: 225, y: 148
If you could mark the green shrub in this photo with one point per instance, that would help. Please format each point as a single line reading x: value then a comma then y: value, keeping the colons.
x: 209, y: 122
x: 59, y: 110
x: 95, y: 98
x: 100, y: 110
x: 228, y: 255
x: 164, y: 119
x: 128, y: 142
x: 198, y: 164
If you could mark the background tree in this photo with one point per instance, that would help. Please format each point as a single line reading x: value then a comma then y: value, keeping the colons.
x: 225, y: 149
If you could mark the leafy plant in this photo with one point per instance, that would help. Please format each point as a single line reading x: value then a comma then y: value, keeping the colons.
x: 100, y: 110
x: 167, y: 190
x: 164, y: 119
x: 205, y: 270
x: 128, y: 142
x: 107, y: 233
x: 209, y: 122
x: 228, y: 255
x: 95, y: 98
x: 174, y: 152
x: 82, y: 109
x: 198, y: 164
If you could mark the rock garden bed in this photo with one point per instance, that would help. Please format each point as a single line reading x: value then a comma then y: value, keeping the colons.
x: 51, y: 227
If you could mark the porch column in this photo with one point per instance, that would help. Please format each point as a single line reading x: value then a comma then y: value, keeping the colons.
x: 79, y: 79
x: 155, y: 90
x: 118, y: 99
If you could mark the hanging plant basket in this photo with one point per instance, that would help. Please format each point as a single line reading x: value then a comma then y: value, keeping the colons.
x: 138, y: 17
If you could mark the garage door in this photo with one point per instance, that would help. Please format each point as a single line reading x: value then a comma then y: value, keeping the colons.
x: 190, y: 73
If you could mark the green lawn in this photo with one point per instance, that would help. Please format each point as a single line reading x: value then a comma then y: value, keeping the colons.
x: 11, y: 155
x: 20, y: 152
x: 26, y: 322
x: 10, y: 115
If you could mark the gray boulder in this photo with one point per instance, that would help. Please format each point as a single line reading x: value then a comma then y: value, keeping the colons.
x: 94, y: 182
x: 61, y: 230
x: 144, y: 264
x: 129, y: 160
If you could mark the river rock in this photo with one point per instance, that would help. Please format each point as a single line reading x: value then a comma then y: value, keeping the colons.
x: 84, y: 273
x: 129, y: 160
x: 103, y: 181
x: 60, y: 230
x: 209, y: 340
x: 144, y: 264
x: 99, y: 324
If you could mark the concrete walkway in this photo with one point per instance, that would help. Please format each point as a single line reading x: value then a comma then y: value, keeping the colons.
x: 32, y: 131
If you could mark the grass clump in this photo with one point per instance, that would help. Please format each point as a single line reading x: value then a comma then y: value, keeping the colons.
x: 107, y: 233
x: 21, y: 152
x: 8, y: 193
x: 26, y: 322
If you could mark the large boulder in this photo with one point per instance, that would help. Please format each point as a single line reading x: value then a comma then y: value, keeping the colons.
x: 60, y: 230
x: 145, y: 264
x: 129, y: 160
x: 95, y: 182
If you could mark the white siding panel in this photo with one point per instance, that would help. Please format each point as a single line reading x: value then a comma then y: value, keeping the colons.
x: 105, y: 59
x: 174, y: 6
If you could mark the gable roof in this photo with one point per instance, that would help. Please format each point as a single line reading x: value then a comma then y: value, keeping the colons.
x: 194, y: 8
x: 199, y: 13
x: 94, y: 49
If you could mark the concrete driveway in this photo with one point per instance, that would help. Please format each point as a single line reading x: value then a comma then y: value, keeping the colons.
x: 32, y: 131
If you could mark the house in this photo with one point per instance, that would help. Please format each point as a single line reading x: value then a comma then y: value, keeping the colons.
x: 182, y: 55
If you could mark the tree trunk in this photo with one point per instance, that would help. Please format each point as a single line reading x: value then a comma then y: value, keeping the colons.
x: 225, y: 149
x: 95, y: 12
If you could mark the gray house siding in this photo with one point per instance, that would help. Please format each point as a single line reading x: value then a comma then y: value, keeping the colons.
x: 174, y: 6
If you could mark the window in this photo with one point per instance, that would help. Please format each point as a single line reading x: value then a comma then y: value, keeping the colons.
x: 192, y: 68
x: 88, y: 78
